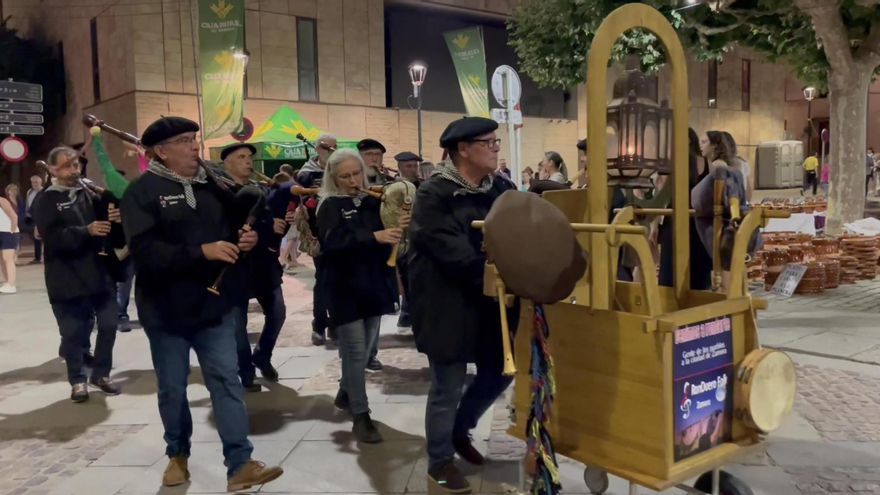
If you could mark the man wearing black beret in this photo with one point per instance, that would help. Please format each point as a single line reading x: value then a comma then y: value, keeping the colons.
x: 373, y: 152
x: 408, y: 167
x: 179, y: 231
x: 453, y: 322
x: 263, y: 278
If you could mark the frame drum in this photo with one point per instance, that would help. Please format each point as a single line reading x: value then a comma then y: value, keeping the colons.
x: 764, y: 389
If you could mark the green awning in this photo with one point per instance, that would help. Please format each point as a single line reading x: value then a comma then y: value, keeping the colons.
x: 276, y: 138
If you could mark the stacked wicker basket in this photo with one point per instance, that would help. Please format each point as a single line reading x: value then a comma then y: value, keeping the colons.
x: 829, y: 262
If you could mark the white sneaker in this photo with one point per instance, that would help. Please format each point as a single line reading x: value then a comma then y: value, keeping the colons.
x: 8, y: 289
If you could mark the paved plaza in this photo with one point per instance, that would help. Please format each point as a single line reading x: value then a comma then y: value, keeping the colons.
x: 113, y: 445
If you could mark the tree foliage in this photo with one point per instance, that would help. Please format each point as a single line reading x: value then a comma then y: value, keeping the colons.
x: 552, y: 37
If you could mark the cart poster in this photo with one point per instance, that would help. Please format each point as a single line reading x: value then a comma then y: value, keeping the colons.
x: 702, y: 379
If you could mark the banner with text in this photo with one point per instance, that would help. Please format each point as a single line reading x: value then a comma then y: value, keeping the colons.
x: 702, y: 377
x: 222, y: 62
x: 469, y: 57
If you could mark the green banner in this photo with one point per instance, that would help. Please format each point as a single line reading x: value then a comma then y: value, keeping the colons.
x: 221, y: 60
x: 469, y: 56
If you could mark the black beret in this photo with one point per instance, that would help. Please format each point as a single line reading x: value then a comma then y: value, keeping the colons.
x: 235, y: 146
x: 465, y: 129
x: 582, y: 145
x: 407, y: 156
x: 370, y: 144
x: 166, y: 128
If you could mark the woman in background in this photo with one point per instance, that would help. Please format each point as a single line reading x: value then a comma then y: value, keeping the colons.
x: 8, y: 245
x: 553, y: 168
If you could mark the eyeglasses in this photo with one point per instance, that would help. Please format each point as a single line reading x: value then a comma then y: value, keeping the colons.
x: 490, y: 143
x: 188, y: 140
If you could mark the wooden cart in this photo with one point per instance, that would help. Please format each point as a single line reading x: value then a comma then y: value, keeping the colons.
x: 626, y: 401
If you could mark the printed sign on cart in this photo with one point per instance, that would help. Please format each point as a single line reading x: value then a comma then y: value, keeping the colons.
x: 702, y: 382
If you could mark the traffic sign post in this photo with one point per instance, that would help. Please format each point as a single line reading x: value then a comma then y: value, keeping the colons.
x: 21, y: 118
x: 20, y: 106
x: 28, y: 130
x: 20, y: 113
x: 21, y: 91
x: 507, y: 89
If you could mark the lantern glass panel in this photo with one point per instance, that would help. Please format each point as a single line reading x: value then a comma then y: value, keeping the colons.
x: 651, y: 151
x: 612, y: 140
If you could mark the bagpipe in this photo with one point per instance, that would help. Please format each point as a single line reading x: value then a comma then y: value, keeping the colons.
x: 243, y: 197
x: 101, y: 199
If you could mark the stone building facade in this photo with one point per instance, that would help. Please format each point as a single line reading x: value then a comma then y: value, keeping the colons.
x: 146, y: 67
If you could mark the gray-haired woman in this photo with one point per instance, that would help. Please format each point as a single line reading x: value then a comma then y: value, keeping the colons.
x: 360, y: 285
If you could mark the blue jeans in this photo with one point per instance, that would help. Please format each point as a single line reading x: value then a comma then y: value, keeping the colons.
x: 215, y: 349
x: 354, y: 342
x: 75, y: 318
x: 449, y: 414
x: 246, y: 369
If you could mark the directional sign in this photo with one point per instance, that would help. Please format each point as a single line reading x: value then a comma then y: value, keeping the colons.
x: 21, y: 91
x: 20, y: 106
x: 21, y: 118
x: 33, y: 130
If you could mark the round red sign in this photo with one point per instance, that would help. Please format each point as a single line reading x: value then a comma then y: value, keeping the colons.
x: 245, y: 132
x: 13, y: 149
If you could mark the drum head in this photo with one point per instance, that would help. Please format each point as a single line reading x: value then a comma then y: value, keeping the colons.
x: 772, y: 390
x: 532, y: 245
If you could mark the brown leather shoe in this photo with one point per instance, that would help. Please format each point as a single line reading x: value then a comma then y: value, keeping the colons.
x: 176, y: 472
x: 252, y: 473
x: 79, y: 392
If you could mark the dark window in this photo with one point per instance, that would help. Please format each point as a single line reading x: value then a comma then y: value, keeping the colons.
x: 307, y: 58
x: 409, y: 38
x: 747, y: 85
x: 60, y: 75
x: 96, y: 79
x: 712, y: 99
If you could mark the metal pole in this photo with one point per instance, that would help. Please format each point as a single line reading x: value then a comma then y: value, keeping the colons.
x: 194, y: 27
x: 518, y: 166
x: 419, y: 118
x: 810, y: 121
x: 511, y: 135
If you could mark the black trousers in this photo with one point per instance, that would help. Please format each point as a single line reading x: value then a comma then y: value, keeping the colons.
x: 813, y: 180
x: 403, y: 270
x: 320, y: 316
x: 75, y: 318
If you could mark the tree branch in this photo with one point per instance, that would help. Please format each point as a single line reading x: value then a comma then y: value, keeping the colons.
x: 869, y: 51
x: 867, y: 3
x: 831, y: 31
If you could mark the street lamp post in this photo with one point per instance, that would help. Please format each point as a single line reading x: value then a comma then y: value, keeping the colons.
x: 417, y: 73
x: 810, y: 95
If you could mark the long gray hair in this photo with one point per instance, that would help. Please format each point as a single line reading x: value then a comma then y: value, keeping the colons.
x: 329, y: 188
